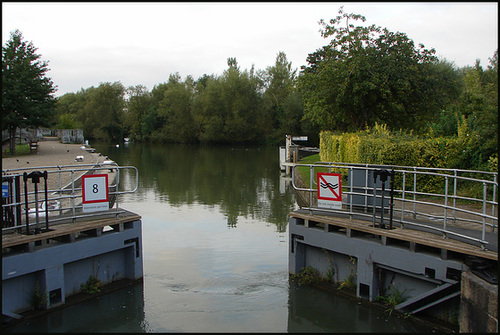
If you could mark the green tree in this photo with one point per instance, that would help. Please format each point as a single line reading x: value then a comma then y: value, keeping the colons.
x: 67, y: 121
x: 102, y: 115
x: 367, y: 75
x: 479, y: 105
x: 175, y: 109
x: 137, y: 107
x: 67, y: 109
x: 281, y: 112
x: 27, y: 93
x: 226, y: 108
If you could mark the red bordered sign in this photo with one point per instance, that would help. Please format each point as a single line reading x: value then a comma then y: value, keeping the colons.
x: 95, y: 193
x: 329, y: 190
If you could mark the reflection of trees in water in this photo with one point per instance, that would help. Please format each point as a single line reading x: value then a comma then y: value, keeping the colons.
x: 242, y: 181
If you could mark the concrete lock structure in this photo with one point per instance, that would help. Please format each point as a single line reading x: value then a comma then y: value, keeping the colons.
x: 54, y: 247
x: 432, y: 258
x: 60, y: 267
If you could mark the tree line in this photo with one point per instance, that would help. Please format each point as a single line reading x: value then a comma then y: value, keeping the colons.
x: 239, y: 106
x: 365, y: 75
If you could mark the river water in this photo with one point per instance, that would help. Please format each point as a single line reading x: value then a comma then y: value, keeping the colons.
x: 215, y: 252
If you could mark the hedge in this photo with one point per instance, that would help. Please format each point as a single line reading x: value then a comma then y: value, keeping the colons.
x: 379, y: 146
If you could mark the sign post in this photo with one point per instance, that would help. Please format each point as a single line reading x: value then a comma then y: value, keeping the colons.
x: 5, y: 189
x: 329, y: 190
x: 95, y: 193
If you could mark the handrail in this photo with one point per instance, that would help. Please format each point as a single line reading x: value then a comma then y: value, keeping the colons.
x: 61, y: 198
x: 360, y: 194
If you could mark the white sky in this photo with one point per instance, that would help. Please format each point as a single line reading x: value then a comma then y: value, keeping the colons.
x: 143, y: 43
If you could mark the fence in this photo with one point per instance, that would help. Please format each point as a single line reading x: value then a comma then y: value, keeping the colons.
x: 455, y: 203
x: 53, y: 194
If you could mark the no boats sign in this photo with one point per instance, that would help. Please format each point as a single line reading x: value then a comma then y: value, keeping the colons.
x: 329, y: 190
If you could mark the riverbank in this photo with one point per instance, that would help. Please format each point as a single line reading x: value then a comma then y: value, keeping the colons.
x: 52, y: 153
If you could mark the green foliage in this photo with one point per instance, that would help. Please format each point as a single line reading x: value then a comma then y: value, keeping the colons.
x: 39, y: 299
x: 379, y: 146
x: 67, y: 121
x: 367, y: 81
x: 27, y: 93
x: 307, y: 276
x: 350, y: 283
x: 21, y: 149
x: 97, y: 110
x: 392, y: 300
x: 370, y: 74
x: 93, y: 285
x: 136, y: 115
x: 478, y: 106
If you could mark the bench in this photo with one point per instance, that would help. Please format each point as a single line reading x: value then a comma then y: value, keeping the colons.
x: 33, y: 147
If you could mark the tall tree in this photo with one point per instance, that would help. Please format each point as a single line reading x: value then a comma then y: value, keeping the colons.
x: 226, y: 107
x: 138, y: 105
x: 282, y: 103
x: 27, y: 93
x: 479, y: 104
x: 102, y: 115
x: 367, y: 75
x: 175, y: 108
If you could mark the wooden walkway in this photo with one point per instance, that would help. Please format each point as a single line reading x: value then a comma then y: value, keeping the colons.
x: 69, y: 232
x: 414, y: 239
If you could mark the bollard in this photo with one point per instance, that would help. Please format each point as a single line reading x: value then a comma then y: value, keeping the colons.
x: 35, y: 179
x: 384, y: 174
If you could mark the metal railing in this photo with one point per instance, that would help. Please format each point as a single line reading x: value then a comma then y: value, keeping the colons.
x: 53, y: 194
x: 440, y: 200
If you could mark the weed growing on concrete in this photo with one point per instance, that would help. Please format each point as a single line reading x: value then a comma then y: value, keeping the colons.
x: 39, y: 299
x: 93, y: 285
x: 308, y: 275
x: 390, y: 301
x: 350, y: 282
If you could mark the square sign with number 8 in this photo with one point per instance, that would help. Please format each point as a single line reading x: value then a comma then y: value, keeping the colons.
x: 95, y: 192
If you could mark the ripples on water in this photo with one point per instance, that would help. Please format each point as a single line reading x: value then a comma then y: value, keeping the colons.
x: 215, y: 252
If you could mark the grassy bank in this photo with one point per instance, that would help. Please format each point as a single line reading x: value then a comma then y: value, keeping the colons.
x: 21, y: 150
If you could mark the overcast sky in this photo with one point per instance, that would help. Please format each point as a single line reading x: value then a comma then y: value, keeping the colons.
x: 143, y: 43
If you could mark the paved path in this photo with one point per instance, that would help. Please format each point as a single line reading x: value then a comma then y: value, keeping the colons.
x: 51, y: 153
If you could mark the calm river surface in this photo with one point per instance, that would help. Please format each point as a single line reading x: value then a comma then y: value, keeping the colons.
x: 215, y: 251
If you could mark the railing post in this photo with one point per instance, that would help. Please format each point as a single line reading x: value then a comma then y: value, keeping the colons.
x: 445, y: 204
x: 117, y: 186
x: 493, y: 200
x: 415, y: 193
x: 403, y: 200
x: 350, y: 189
x: 374, y: 197
x: 483, y: 233
x: 46, y: 201
x: 391, y: 205
x: 455, y: 181
x: 366, y: 188
x: 25, y: 179
x: 17, y: 200
x: 73, y: 195
x: 311, y: 176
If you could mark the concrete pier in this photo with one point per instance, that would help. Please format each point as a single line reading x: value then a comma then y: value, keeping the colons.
x: 423, y: 267
x: 59, y: 261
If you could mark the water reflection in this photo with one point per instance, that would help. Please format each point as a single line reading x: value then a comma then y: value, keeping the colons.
x: 215, y: 252
x: 315, y: 311
x: 241, y: 181
x: 120, y: 311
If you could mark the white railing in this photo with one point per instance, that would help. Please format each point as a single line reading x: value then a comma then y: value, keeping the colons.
x: 53, y: 194
x: 448, y: 206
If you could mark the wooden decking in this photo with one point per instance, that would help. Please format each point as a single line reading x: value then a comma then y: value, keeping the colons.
x: 68, y: 232
x: 413, y: 238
